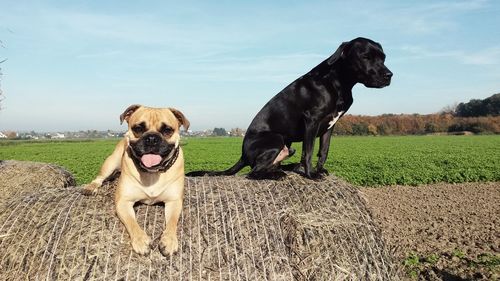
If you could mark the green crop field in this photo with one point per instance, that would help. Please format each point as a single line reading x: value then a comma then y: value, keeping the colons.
x: 368, y: 161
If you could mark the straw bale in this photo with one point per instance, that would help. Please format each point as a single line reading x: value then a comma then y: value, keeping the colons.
x: 17, y: 177
x: 231, y: 228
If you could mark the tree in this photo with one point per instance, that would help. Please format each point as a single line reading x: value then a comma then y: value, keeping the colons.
x: 372, y: 130
x: 492, y: 105
x: 431, y: 127
x: 384, y: 129
x: 476, y: 107
x: 360, y: 129
x: 472, y: 108
x: 219, y: 132
x: 449, y: 109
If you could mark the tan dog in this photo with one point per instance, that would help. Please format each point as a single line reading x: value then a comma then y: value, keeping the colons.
x: 152, y: 170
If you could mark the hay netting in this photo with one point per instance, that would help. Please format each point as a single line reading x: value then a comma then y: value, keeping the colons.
x: 231, y: 228
x: 17, y: 177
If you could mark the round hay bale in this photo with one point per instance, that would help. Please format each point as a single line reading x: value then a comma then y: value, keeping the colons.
x: 23, y: 176
x: 231, y: 228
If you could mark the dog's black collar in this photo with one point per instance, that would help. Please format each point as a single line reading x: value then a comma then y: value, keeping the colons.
x: 162, y: 167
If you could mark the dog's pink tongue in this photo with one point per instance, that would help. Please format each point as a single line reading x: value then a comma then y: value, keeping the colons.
x: 150, y: 160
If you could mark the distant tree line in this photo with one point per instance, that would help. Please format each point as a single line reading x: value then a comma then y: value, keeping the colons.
x: 476, y: 116
x: 219, y: 132
x: 475, y: 107
x: 415, y: 124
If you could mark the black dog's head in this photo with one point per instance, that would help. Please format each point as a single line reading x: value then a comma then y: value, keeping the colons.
x: 363, y: 60
x: 153, y: 135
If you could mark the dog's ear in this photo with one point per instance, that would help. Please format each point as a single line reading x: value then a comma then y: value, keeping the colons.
x: 128, y: 112
x: 339, y: 54
x: 181, y: 118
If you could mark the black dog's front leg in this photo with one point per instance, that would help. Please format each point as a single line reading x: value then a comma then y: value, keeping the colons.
x: 311, y: 130
x: 324, y: 146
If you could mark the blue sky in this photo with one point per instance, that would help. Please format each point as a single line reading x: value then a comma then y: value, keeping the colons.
x: 77, y: 65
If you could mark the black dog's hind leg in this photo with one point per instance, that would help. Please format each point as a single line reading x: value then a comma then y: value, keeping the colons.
x: 324, y: 146
x: 269, y: 150
x: 265, y: 167
x: 292, y: 167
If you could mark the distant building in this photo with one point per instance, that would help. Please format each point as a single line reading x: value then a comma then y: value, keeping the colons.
x: 8, y: 135
x: 237, y: 132
x: 58, y: 136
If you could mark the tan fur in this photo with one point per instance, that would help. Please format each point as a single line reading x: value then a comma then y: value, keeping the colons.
x: 149, y: 188
x: 282, y: 155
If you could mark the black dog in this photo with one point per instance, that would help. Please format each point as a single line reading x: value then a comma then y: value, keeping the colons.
x: 306, y: 109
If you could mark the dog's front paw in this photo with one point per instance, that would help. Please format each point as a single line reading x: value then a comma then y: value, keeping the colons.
x: 168, y: 244
x: 315, y: 176
x: 141, y: 243
x: 90, y: 189
x: 322, y: 171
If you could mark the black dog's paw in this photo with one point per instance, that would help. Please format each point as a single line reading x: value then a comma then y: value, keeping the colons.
x: 293, y: 167
x: 322, y: 171
x: 278, y: 175
x: 315, y: 176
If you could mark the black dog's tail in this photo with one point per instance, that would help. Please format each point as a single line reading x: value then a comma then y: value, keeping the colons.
x: 231, y: 171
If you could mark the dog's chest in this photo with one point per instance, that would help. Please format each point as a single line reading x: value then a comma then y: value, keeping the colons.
x: 335, y: 118
x: 159, y: 193
x: 150, y: 195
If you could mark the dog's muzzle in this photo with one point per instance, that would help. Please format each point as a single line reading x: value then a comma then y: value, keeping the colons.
x: 380, y: 81
x: 162, y: 166
x: 151, y: 154
x: 387, y: 77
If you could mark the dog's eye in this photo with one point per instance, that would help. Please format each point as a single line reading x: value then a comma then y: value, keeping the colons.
x: 166, y: 130
x: 138, y: 129
x: 366, y: 57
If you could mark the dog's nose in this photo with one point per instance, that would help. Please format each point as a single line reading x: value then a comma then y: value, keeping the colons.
x: 388, y: 75
x: 152, y: 140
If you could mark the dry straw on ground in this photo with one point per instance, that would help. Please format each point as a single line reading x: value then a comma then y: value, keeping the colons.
x: 231, y: 228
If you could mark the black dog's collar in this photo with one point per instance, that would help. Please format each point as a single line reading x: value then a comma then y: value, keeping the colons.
x: 162, y: 167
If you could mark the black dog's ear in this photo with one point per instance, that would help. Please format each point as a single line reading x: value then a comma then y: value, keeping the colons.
x: 182, y: 119
x: 340, y: 53
x: 128, y: 112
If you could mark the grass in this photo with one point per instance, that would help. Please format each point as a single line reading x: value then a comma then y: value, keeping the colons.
x: 414, y: 264
x: 489, y: 260
x: 416, y: 160
x: 367, y: 161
